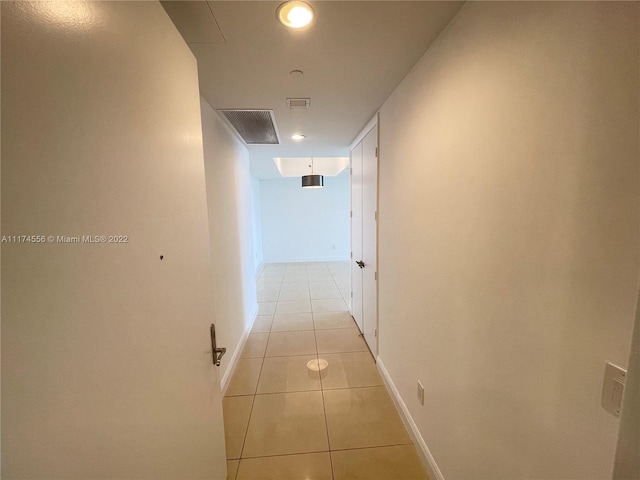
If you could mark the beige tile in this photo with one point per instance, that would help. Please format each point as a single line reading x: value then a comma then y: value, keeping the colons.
x: 284, y: 423
x: 268, y: 295
x: 232, y: 469
x: 338, y: 264
x: 296, y: 267
x: 333, y: 320
x: 329, y: 305
x: 267, y: 287
x: 340, y: 277
x: 266, y: 308
x: 319, y: 276
x: 255, y: 346
x: 288, y: 374
x: 295, y: 286
x: 273, y: 268
x: 294, y: 306
x: 295, y: 277
x: 263, y: 286
x: 269, y: 273
x: 292, y: 322
x: 325, y: 292
x: 282, y: 344
x: 399, y: 462
x: 268, y: 283
x: 322, y: 284
x: 262, y: 324
x: 236, y: 418
x: 340, y: 340
x: 348, y: 370
x: 307, y: 466
x: 299, y: 294
x: 316, y: 266
x: 245, y: 377
x: 362, y: 417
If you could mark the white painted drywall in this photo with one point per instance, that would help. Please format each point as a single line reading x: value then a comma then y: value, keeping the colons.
x: 302, y: 224
x: 106, y: 369
x: 509, y: 234
x: 257, y: 224
x: 231, y: 232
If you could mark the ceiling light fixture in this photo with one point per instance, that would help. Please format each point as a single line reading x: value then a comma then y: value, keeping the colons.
x: 295, y: 14
x: 297, y: 137
x: 312, y: 181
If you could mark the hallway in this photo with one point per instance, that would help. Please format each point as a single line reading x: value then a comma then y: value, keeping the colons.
x: 135, y: 216
x: 287, y: 413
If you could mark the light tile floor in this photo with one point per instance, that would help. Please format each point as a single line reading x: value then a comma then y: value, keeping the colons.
x: 284, y: 419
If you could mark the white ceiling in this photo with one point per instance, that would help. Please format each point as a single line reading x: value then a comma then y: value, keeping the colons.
x: 299, y: 166
x: 353, y: 56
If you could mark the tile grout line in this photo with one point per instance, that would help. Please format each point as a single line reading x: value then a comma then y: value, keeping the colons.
x: 255, y: 394
x: 324, y: 407
x: 336, y: 450
x: 317, y: 356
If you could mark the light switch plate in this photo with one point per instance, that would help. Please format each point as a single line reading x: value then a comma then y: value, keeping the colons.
x: 612, y: 388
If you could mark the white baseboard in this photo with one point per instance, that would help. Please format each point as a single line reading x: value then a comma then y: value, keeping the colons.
x: 233, y: 363
x: 337, y: 258
x: 425, y: 455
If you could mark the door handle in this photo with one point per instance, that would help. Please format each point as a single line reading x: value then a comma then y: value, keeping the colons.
x: 360, y: 263
x: 216, y: 352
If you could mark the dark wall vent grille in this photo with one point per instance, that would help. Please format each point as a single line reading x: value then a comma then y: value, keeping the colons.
x: 256, y: 127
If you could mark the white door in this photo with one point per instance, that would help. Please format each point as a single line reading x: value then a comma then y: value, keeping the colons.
x: 364, y: 191
x: 106, y: 364
x: 369, y: 238
x: 356, y: 235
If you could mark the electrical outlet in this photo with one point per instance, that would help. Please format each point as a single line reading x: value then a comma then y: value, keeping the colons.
x: 420, y: 393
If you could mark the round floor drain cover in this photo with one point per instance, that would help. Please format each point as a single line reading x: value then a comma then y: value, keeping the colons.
x: 317, y: 365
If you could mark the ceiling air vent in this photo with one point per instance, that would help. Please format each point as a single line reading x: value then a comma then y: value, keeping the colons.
x: 298, y: 102
x: 256, y: 127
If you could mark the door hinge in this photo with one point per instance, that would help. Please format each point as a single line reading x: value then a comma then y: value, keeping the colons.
x: 351, y: 214
x: 375, y: 332
x: 350, y: 170
x: 375, y: 276
x: 351, y: 254
x: 375, y: 215
x: 376, y: 152
x: 351, y: 294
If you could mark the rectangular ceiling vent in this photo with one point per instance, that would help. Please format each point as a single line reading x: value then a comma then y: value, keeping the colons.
x: 298, y: 102
x: 256, y: 127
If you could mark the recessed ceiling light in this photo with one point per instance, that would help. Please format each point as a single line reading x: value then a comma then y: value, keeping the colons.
x: 295, y: 14
x: 297, y: 137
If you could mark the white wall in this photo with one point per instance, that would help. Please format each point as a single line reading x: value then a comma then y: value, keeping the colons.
x: 231, y: 222
x: 301, y: 225
x: 257, y: 224
x: 509, y: 235
x: 105, y: 369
